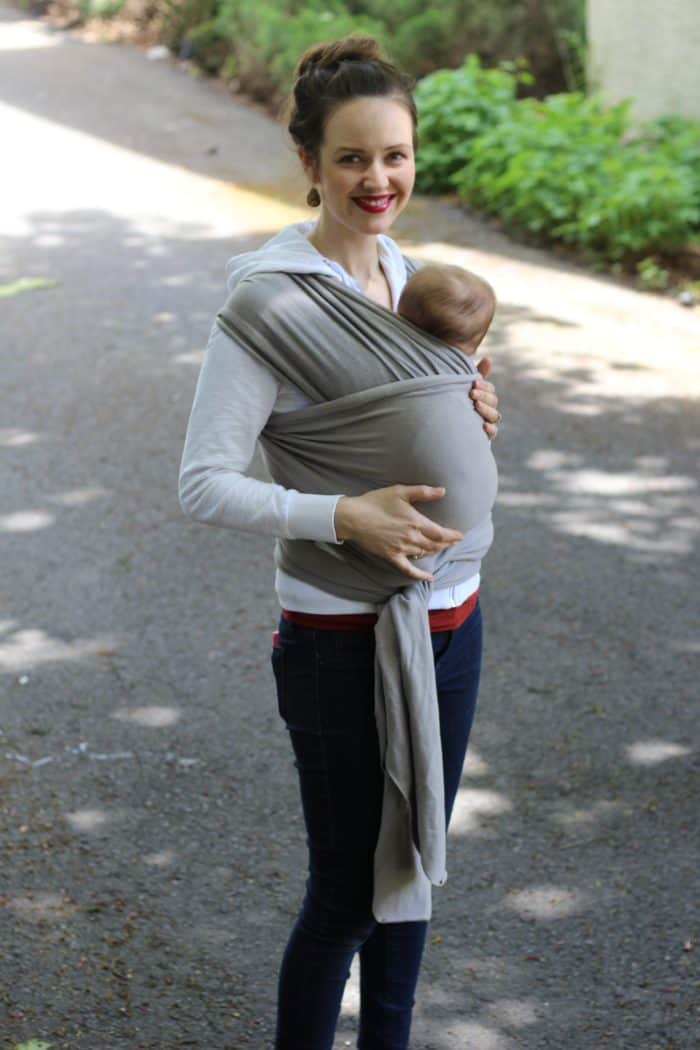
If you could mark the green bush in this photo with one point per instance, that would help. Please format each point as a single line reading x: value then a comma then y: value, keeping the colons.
x: 422, y: 43
x: 637, y: 205
x: 182, y: 15
x: 455, y: 107
x: 263, y: 38
x: 566, y: 169
x: 536, y: 164
x: 266, y: 38
x: 677, y: 139
x: 99, y: 8
x: 550, y: 36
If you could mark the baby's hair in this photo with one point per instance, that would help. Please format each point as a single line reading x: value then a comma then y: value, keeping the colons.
x: 337, y: 71
x: 451, y: 303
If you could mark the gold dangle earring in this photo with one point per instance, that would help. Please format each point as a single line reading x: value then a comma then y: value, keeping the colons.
x: 313, y: 198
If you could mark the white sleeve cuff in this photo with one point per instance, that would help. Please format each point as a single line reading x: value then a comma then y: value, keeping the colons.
x: 310, y: 517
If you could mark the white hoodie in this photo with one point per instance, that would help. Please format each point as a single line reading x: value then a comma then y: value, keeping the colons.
x: 234, y: 398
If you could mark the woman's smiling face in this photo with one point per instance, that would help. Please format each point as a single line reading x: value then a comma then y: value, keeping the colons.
x: 366, y: 167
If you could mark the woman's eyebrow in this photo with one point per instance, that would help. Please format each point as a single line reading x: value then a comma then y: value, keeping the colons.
x: 359, y: 149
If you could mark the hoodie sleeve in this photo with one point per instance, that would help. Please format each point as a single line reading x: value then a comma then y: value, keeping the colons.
x: 233, y: 400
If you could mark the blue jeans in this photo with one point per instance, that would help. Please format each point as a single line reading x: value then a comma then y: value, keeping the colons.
x: 326, y: 698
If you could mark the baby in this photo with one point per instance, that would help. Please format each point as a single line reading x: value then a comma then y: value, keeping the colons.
x: 450, y: 303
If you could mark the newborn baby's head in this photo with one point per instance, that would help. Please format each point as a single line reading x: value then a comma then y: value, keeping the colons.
x: 453, y: 304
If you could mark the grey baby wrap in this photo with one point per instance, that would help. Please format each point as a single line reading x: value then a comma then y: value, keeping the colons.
x: 390, y: 406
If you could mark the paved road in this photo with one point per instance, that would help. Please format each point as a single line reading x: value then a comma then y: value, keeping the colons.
x: 152, y: 850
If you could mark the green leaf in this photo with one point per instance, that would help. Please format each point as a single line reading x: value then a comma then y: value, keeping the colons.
x: 25, y: 284
x: 33, y: 1044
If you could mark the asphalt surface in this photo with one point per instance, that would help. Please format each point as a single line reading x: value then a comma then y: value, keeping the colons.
x: 152, y: 851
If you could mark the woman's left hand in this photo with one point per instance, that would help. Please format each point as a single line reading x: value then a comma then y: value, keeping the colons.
x: 485, y: 399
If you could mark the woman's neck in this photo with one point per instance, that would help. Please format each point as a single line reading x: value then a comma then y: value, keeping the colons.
x: 356, y: 253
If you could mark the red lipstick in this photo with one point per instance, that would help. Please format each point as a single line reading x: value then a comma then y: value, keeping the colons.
x: 376, y: 204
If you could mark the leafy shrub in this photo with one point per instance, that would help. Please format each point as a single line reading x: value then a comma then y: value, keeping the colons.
x: 637, y: 205
x: 99, y: 8
x: 266, y: 38
x: 454, y: 108
x: 652, y: 276
x: 536, y: 163
x: 549, y: 36
x: 183, y: 15
x: 563, y: 169
x: 677, y: 139
x: 317, y: 20
x: 422, y: 43
x: 208, y: 46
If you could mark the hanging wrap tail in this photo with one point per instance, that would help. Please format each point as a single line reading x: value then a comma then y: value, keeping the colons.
x: 390, y: 406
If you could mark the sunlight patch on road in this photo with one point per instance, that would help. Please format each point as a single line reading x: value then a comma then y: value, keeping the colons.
x: 690, y: 645
x: 516, y: 1013
x: 193, y: 357
x: 22, y: 650
x: 607, y: 483
x: 92, y: 176
x: 577, y: 819
x: 155, y: 716
x: 644, y: 510
x: 160, y: 859
x: 26, y: 521
x: 472, y: 804
x: 477, y: 1036
x: 475, y: 765
x: 87, y: 819
x: 38, y: 907
x: 652, y: 752
x: 78, y: 497
x: 547, y: 902
x: 10, y: 438
x: 27, y: 35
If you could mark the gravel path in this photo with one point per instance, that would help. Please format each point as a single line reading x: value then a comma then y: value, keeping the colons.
x: 152, y: 848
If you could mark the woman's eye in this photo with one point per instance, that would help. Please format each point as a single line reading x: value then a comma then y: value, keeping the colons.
x: 352, y: 158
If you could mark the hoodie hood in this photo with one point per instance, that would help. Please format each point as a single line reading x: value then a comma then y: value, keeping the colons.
x: 289, y: 251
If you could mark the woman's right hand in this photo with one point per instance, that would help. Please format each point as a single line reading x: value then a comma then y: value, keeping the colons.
x: 385, y: 522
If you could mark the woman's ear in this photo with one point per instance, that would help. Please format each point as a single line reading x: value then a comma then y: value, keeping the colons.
x: 309, y: 166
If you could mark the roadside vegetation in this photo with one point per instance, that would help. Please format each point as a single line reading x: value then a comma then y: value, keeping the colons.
x: 505, y: 121
x: 564, y: 169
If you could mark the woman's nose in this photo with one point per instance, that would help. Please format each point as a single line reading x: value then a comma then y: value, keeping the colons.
x: 376, y: 176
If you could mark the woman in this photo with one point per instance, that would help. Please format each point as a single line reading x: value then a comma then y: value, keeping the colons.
x: 353, y: 120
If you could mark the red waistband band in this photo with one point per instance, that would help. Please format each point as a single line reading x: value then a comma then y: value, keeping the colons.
x: 438, y: 619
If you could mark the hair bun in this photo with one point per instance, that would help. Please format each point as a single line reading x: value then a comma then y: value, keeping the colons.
x: 333, y: 72
x: 327, y: 55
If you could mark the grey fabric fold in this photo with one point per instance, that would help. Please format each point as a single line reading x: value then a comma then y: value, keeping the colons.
x: 391, y: 405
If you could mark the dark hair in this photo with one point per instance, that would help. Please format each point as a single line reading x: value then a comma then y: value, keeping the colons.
x: 337, y: 71
x: 453, y: 304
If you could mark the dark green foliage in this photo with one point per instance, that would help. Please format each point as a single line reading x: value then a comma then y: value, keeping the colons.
x: 567, y: 168
x: 677, y: 139
x: 99, y: 8
x: 263, y: 38
x: 455, y: 107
